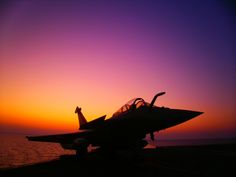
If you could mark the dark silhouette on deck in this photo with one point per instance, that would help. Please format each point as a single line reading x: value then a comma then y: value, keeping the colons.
x: 126, y: 129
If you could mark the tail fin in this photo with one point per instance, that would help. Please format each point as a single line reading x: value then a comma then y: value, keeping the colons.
x: 82, y: 120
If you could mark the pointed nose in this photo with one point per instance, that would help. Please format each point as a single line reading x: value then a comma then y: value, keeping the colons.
x: 178, y: 116
x: 185, y: 115
x: 166, y: 117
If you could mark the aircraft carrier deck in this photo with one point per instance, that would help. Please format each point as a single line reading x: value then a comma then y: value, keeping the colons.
x: 191, y: 161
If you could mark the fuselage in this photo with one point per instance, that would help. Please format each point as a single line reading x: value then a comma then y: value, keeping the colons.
x: 126, y: 128
x: 132, y: 126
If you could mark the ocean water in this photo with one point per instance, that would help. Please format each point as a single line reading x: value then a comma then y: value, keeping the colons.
x: 16, y: 150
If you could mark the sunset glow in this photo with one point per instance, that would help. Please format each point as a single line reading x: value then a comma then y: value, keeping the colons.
x: 55, y: 55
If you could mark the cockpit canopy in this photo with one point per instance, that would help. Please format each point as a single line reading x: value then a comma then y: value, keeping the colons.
x: 131, y: 105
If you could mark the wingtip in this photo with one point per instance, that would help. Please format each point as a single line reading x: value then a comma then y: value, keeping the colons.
x: 28, y: 138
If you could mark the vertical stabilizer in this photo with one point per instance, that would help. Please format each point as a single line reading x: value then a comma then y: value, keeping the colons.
x: 82, y: 120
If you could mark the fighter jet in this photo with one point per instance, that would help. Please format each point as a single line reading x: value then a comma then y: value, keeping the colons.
x: 126, y: 129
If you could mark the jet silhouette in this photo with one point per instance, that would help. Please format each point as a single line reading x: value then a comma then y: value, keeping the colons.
x: 126, y: 129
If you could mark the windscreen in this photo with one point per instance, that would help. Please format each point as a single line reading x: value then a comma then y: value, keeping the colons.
x: 132, y: 104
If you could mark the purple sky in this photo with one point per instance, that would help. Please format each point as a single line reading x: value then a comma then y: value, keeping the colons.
x: 57, y: 54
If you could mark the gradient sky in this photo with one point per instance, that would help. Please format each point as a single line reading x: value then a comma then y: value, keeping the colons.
x: 55, y: 55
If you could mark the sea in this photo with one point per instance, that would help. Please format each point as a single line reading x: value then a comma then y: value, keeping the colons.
x: 16, y: 150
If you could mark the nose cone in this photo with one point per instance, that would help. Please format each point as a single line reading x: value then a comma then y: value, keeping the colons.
x: 172, y: 117
x: 185, y: 115
x: 178, y: 116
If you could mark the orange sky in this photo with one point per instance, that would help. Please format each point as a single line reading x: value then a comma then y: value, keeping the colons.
x: 54, y: 58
